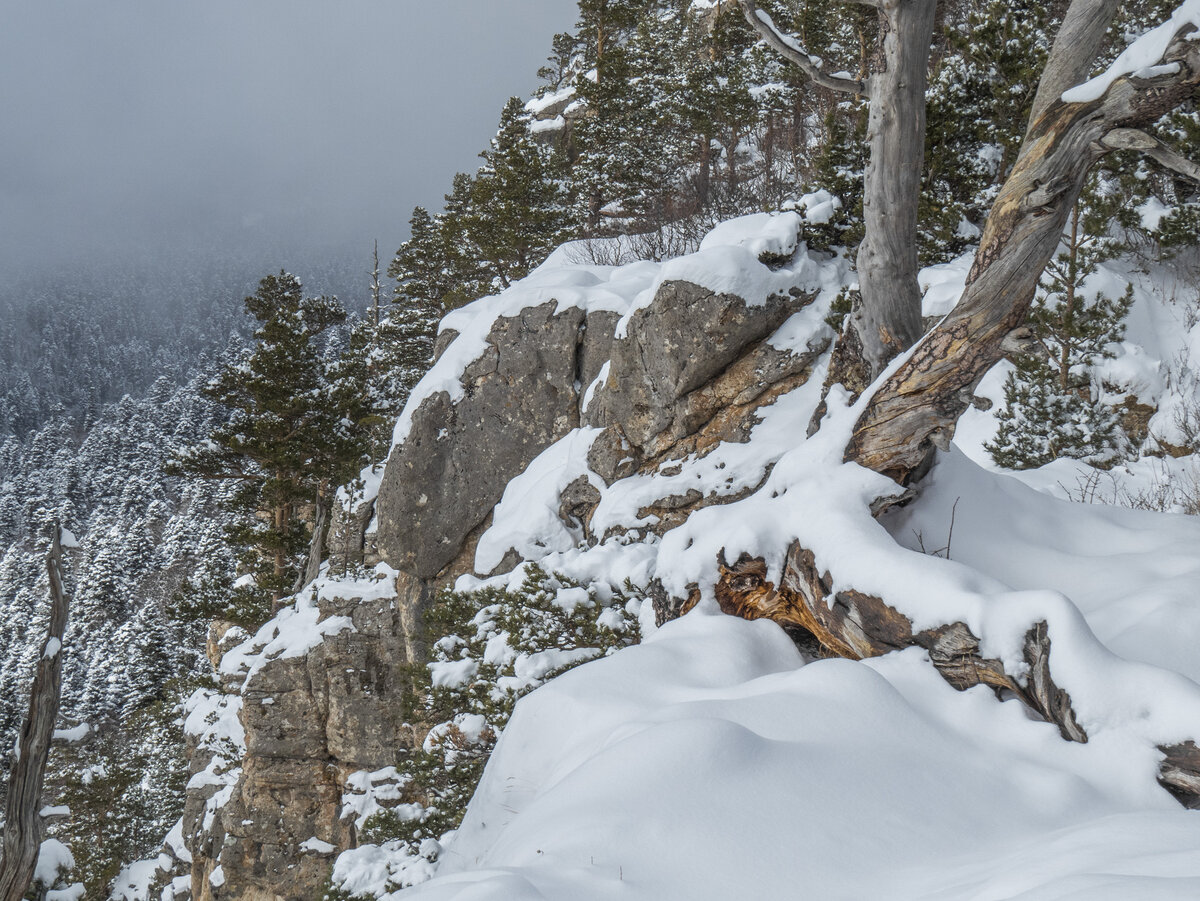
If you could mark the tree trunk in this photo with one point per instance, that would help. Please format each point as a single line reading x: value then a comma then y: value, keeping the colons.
x: 23, y: 825
x: 914, y: 411
x: 888, y: 321
x: 316, y: 546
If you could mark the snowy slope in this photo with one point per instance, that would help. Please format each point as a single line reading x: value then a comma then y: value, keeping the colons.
x: 714, y: 757
x: 712, y: 762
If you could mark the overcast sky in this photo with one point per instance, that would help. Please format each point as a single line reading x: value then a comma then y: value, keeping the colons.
x: 129, y: 125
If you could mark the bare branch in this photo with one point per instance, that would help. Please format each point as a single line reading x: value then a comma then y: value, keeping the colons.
x: 1133, y: 139
x: 793, y: 53
x: 1074, y: 52
x: 23, y: 824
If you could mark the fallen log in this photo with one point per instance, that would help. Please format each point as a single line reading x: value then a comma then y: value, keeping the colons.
x: 857, y: 626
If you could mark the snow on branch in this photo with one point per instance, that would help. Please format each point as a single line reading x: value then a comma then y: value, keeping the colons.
x: 1144, y: 57
x: 790, y: 49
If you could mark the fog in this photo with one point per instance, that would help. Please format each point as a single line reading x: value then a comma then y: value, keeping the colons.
x: 136, y: 128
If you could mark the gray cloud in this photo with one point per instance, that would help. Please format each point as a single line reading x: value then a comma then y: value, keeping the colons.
x: 130, y: 126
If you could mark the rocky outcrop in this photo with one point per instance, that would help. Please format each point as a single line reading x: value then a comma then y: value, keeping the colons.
x: 690, y: 369
x: 672, y: 350
x: 310, y: 720
x: 521, y: 396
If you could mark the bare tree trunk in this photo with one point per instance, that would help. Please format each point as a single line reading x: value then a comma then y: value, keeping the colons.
x: 316, y: 546
x: 23, y: 825
x: 916, y: 408
x: 888, y: 321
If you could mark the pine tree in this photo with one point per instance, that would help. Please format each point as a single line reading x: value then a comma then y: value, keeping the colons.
x: 980, y: 94
x: 293, y: 431
x: 387, y: 353
x: 1052, y: 406
x: 518, y: 201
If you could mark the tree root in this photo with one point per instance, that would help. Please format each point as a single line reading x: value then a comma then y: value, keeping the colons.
x: 856, y: 626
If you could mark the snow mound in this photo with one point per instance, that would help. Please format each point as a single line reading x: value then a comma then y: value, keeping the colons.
x: 712, y: 758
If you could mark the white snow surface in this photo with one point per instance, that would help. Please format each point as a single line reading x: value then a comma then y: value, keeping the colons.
x: 53, y: 858
x: 712, y: 758
x: 1143, y: 56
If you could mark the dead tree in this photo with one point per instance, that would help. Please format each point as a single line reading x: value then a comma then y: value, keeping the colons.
x: 915, y: 409
x: 888, y: 321
x: 23, y: 824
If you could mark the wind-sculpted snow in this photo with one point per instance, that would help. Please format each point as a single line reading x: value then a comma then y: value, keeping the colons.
x: 713, y: 757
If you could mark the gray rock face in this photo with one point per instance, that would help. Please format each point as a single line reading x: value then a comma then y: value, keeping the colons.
x: 681, y: 342
x: 522, y: 395
x: 310, y: 721
x: 692, y: 371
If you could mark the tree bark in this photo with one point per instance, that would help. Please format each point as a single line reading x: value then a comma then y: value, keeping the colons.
x: 888, y: 321
x: 914, y: 411
x: 316, y: 545
x: 23, y: 825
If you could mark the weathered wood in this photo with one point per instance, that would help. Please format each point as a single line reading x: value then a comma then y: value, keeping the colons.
x: 1179, y: 773
x: 916, y: 408
x: 888, y: 320
x: 316, y: 545
x: 856, y: 626
x: 23, y: 824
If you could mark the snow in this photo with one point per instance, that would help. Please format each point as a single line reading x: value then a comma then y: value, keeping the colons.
x: 727, y: 263
x: 364, y: 489
x: 53, y: 646
x: 542, y: 126
x: 453, y: 674
x: 526, y: 519
x: 763, y: 234
x: 369, y: 792
x: 1141, y: 58
x: 134, y: 881
x: 299, y: 628
x: 942, y: 285
x: 74, y: 734
x: 539, y: 104
x: 53, y: 858
x: 713, y: 757
x: 316, y: 846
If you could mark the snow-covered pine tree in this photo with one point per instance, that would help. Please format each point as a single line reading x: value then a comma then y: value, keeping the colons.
x: 519, y: 205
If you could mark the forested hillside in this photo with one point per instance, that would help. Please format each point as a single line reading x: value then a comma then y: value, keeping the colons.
x: 326, y: 548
